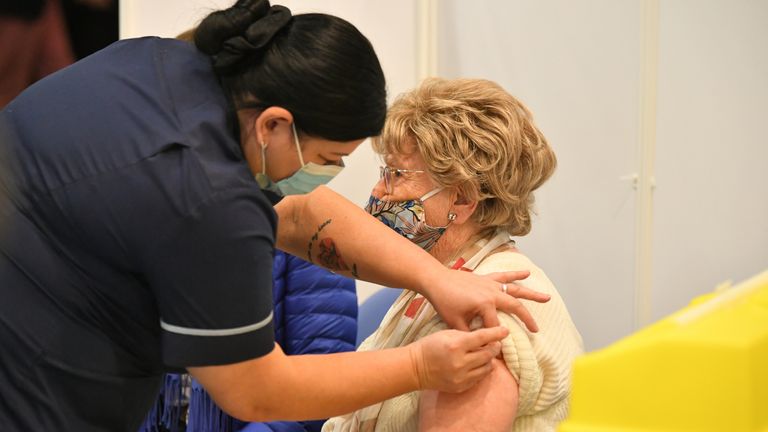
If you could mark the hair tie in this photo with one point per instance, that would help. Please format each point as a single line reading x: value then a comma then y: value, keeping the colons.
x: 255, y: 38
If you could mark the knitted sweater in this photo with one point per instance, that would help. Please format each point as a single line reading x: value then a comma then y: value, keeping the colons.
x: 540, y: 362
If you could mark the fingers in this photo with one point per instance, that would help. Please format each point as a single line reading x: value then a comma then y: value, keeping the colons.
x: 479, y: 359
x: 477, y: 365
x: 460, y: 325
x: 483, y: 355
x: 517, y: 290
x: 513, y: 306
x: 490, y: 318
x: 454, y: 361
x: 477, y: 339
x: 476, y: 374
x: 510, y: 276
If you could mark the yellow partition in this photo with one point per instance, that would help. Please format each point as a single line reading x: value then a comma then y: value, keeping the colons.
x: 703, y: 369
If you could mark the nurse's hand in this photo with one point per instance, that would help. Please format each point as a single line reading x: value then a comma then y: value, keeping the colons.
x: 453, y: 361
x: 460, y: 296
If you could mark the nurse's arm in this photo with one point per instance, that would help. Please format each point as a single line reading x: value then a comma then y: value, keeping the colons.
x: 490, y: 406
x: 326, y: 229
x: 280, y: 387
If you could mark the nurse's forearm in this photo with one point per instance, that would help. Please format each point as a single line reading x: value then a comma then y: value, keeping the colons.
x: 326, y: 229
x: 279, y: 387
x: 340, y: 383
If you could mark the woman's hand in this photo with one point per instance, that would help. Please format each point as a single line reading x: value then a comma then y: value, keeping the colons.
x: 452, y: 360
x: 461, y: 296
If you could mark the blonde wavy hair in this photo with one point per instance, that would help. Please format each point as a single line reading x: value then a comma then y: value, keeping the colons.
x: 478, y: 138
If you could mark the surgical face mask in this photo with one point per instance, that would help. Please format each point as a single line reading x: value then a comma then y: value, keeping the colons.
x: 408, y: 219
x: 305, y: 180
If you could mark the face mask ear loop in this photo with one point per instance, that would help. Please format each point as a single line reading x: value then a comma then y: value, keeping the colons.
x: 296, y: 139
x: 431, y: 193
x: 263, y: 158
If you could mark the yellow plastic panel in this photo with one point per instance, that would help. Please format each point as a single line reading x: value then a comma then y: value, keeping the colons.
x: 703, y: 368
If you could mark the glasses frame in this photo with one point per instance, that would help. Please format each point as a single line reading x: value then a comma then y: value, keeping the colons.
x: 386, y: 173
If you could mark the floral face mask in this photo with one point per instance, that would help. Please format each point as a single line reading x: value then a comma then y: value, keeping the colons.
x: 408, y: 219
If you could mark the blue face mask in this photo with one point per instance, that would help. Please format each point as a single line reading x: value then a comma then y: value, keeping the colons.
x: 303, y: 181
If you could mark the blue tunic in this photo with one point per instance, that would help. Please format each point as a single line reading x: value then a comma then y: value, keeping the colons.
x: 133, y: 238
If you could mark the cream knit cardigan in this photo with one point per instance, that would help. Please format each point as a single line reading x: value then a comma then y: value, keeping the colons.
x: 540, y: 362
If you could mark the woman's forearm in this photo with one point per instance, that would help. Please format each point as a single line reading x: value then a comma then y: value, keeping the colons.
x: 326, y: 229
x: 280, y: 387
x: 341, y: 383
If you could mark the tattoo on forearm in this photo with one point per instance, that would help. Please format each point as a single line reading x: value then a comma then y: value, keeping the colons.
x: 314, y: 238
x: 330, y: 257
x: 328, y: 254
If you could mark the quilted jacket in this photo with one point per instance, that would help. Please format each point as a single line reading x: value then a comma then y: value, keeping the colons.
x: 315, y: 311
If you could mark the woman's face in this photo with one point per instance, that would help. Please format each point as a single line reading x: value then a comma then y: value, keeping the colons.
x: 284, y: 161
x: 274, y: 128
x: 413, y: 185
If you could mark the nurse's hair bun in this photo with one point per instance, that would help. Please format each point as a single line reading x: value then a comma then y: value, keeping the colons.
x: 241, y: 33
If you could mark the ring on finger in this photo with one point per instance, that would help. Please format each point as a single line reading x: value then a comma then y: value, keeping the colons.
x: 504, y: 288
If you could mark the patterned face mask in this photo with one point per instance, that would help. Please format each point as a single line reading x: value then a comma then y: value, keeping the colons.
x: 408, y: 219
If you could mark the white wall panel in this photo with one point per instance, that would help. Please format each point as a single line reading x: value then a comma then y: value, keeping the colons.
x: 711, y: 198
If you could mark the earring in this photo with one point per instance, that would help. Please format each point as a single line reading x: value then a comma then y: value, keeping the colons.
x: 451, y: 216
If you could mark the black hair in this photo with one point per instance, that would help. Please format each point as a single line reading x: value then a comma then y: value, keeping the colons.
x: 319, y: 67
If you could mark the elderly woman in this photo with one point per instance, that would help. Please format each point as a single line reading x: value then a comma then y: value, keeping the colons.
x: 463, y: 158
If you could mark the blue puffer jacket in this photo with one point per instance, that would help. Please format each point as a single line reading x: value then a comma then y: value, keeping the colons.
x: 315, y: 311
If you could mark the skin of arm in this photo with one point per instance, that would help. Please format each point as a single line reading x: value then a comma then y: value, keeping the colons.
x: 490, y: 406
x: 328, y: 230
x: 280, y: 387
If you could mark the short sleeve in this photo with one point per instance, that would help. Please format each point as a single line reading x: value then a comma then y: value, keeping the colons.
x: 212, y: 279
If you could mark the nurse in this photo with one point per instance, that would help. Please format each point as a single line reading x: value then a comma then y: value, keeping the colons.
x: 134, y: 239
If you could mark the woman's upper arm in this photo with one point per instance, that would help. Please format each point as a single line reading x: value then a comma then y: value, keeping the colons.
x: 491, y: 405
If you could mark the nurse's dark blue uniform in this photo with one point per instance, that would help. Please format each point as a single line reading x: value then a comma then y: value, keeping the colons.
x: 133, y: 238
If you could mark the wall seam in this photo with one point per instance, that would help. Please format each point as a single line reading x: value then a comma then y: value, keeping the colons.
x: 647, y: 150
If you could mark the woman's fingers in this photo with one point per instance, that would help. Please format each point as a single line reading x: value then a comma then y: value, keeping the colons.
x: 509, y: 276
x: 510, y: 292
x: 479, y: 338
x: 517, y: 290
x: 451, y: 360
x: 479, y: 373
x: 513, y: 306
x: 459, y: 297
x: 479, y: 362
x: 483, y: 355
x: 490, y: 317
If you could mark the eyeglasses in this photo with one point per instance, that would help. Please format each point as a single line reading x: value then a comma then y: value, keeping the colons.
x: 391, y: 175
